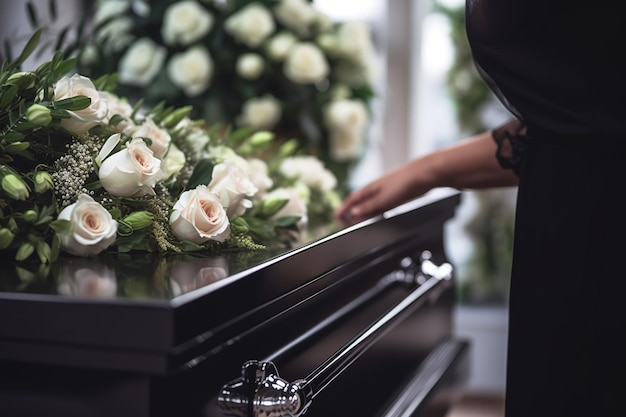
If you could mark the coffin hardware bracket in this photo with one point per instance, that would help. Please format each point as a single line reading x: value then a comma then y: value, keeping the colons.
x: 260, y: 392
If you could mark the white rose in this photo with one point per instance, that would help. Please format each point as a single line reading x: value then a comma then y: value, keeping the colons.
x: 131, y: 172
x: 81, y: 120
x: 306, y: 63
x: 221, y: 153
x: 329, y: 43
x: 250, y: 66
x: 296, y: 206
x: 160, y: 139
x: 190, y: 275
x: 109, y: 9
x: 116, y: 34
x: 297, y: 15
x: 355, y: 44
x: 172, y: 163
x: 251, y: 25
x: 198, y: 216
x: 231, y: 183
x: 258, y: 172
x: 198, y: 139
x: 117, y: 106
x: 194, y: 135
x: 345, y: 145
x: 141, y: 62
x: 92, y: 227
x: 354, y: 41
x: 185, y: 22
x: 310, y: 170
x: 278, y: 46
x: 87, y: 278
x: 191, y: 70
x: 346, y: 121
x: 323, y: 22
x: 261, y: 113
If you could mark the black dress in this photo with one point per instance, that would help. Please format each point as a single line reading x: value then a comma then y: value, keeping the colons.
x: 557, y: 65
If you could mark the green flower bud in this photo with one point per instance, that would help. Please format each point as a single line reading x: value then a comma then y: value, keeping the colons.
x: 16, y: 147
x: 139, y: 219
x: 43, y: 182
x: 38, y: 115
x: 272, y: 205
x: 30, y: 216
x: 288, y: 148
x: 238, y: 224
x: 25, y: 250
x: 261, y: 138
x: 14, y: 187
x: 22, y: 79
x: 44, y: 252
x: 6, y: 238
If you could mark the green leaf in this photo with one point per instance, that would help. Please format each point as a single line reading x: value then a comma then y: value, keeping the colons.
x: 176, y: 116
x: 65, y: 67
x: 61, y: 226
x: 59, y: 113
x: 46, y: 46
x: 43, y: 68
x: 61, y: 38
x: 269, y: 207
x: 259, y: 229
x: 8, y: 51
x: 52, y: 9
x: 106, y: 82
x: 24, y: 125
x: 46, y: 215
x: 29, y: 48
x: 287, y: 221
x: 7, y: 96
x: 113, y: 121
x: 32, y: 14
x: 136, y: 108
x: 240, y: 134
x: 14, y: 136
x: 116, y: 213
x: 124, y: 229
x: 201, y: 175
x: 73, y: 103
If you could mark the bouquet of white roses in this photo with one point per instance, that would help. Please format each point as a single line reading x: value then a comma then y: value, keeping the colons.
x: 279, y: 65
x: 83, y: 171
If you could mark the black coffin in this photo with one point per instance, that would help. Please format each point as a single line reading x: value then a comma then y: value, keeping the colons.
x: 356, y: 323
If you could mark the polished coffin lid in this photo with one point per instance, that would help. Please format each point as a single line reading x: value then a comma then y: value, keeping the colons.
x: 162, y: 317
x: 156, y: 315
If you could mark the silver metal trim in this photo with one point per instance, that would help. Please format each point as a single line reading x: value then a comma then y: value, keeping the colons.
x: 260, y: 392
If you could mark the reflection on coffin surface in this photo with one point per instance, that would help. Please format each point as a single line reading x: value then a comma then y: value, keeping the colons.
x: 356, y: 323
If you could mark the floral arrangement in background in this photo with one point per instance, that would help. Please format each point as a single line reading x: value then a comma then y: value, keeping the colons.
x: 278, y: 65
x: 82, y: 171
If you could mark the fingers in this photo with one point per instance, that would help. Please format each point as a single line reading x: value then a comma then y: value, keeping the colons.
x: 359, y: 205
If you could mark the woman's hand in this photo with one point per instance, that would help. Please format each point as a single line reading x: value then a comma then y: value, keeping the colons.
x: 470, y: 164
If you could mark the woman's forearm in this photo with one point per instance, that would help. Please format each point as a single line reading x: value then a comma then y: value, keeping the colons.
x: 470, y: 164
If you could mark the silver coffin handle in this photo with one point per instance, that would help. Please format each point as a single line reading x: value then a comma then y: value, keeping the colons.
x: 260, y: 392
